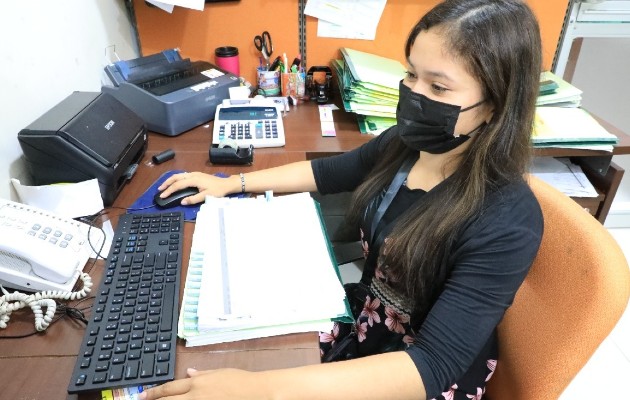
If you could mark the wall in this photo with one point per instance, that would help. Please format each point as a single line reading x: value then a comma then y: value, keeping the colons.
x: 198, y: 33
x: 601, y: 71
x: 49, y: 50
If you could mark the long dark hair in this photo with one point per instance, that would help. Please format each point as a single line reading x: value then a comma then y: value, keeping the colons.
x: 499, y: 43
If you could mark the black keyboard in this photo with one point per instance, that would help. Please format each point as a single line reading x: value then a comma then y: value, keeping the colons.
x: 131, y: 335
x: 178, y: 80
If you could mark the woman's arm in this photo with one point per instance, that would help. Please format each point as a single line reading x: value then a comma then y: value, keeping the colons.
x: 384, y: 376
x: 294, y: 177
x: 336, y: 173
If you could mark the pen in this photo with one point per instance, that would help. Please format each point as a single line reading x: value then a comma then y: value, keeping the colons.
x: 286, y: 62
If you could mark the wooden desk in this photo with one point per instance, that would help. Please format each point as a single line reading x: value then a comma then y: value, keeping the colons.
x: 302, y: 130
x: 39, y: 367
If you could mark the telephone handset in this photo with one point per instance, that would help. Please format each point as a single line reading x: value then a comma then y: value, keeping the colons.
x: 42, y: 251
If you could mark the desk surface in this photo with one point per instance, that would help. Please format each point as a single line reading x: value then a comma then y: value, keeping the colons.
x: 39, y: 367
x: 303, y: 134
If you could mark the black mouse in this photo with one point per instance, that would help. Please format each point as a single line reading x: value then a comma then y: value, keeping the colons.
x: 175, y: 198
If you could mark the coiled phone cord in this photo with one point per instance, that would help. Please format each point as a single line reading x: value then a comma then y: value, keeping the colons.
x: 14, y: 301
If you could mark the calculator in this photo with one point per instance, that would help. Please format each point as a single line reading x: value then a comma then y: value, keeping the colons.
x: 248, y: 124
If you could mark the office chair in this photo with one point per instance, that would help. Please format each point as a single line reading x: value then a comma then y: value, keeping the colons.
x: 574, y: 294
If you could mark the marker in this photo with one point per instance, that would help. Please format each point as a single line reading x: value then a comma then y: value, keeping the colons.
x: 296, y: 63
x: 275, y: 64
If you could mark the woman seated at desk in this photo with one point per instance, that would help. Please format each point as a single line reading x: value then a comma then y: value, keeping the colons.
x: 449, y: 225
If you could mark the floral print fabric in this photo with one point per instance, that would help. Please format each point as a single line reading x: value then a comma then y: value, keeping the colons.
x: 382, y: 324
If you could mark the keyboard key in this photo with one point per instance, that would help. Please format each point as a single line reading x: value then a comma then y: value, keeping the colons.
x: 131, y: 370
x: 116, y: 373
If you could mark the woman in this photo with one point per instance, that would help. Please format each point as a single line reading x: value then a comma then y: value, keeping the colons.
x: 448, y: 223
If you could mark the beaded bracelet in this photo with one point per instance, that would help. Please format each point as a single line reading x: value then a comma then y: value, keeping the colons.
x: 242, y: 182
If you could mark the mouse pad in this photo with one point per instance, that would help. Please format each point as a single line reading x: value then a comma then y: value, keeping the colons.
x: 144, y: 203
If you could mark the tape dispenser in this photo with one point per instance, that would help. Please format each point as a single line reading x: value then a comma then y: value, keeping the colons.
x: 228, y: 152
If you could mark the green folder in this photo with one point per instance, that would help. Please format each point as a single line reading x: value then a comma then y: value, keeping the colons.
x: 368, y: 84
x: 347, y: 316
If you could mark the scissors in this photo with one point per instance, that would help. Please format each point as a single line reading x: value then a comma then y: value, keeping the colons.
x: 264, y: 45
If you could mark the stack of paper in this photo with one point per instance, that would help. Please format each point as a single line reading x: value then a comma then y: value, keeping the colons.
x: 570, y: 127
x: 565, y: 176
x: 257, y: 268
x: 369, y: 87
x: 565, y: 95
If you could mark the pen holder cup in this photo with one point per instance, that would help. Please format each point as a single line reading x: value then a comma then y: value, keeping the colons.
x: 294, y: 84
x: 268, y: 82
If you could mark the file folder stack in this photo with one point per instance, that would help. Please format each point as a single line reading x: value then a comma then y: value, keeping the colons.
x: 368, y: 84
x: 570, y: 127
x: 561, y: 122
x: 564, y: 94
x: 251, y: 274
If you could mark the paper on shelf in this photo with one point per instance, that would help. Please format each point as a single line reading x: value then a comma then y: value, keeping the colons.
x: 564, y: 176
x: 566, y: 95
x: 570, y: 125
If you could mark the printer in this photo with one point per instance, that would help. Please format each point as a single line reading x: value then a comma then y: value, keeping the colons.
x: 171, y: 94
x: 87, y: 135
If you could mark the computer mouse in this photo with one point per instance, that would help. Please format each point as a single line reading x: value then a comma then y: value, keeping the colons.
x: 175, y: 198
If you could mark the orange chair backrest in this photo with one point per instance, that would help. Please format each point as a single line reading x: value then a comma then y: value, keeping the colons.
x: 575, y: 293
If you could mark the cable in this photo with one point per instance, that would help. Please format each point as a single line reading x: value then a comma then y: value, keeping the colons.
x: 39, y: 301
x: 90, y: 220
x: 14, y: 301
x: 72, y: 312
x: 63, y: 311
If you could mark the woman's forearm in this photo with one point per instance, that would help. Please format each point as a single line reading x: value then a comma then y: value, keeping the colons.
x: 391, y: 376
x: 383, y: 376
x: 294, y: 177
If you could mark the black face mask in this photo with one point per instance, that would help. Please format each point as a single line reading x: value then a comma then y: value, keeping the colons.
x: 428, y: 125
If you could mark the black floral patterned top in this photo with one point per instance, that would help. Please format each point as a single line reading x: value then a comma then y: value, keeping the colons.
x: 488, y: 263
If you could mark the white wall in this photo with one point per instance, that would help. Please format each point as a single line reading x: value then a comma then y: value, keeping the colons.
x: 50, y: 49
x: 603, y: 73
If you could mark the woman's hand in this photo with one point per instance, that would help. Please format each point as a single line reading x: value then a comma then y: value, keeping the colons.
x: 232, y: 384
x: 208, y: 185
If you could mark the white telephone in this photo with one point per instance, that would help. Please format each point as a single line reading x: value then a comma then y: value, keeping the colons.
x: 42, y: 251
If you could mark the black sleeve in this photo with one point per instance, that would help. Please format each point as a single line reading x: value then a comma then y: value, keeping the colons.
x: 344, y: 172
x: 491, y: 261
